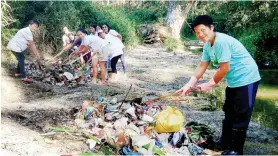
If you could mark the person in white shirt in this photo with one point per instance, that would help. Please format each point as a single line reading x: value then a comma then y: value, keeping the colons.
x: 19, y: 43
x: 101, y: 50
x: 116, y: 51
x: 93, y: 29
x: 98, y: 28
x: 107, y: 30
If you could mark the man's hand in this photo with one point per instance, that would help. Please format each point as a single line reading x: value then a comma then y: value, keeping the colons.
x: 186, y: 89
x: 207, y: 86
x: 39, y: 63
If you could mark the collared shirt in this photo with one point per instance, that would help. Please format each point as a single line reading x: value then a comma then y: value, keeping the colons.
x: 19, y: 42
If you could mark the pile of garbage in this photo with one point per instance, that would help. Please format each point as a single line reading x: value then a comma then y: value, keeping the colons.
x: 133, y: 127
x: 60, y: 74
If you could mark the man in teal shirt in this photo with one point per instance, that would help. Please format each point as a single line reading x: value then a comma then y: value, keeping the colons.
x: 237, y: 66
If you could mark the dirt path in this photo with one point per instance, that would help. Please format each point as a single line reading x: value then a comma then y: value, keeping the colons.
x: 29, y: 110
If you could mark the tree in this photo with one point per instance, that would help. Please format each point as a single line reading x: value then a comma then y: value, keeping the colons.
x: 177, y: 14
x: 7, y: 18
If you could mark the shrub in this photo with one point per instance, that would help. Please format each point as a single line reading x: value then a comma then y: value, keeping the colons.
x: 6, y: 35
x: 171, y: 43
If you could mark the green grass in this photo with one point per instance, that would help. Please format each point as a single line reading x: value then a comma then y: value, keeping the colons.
x: 138, y: 71
x: 266, y: 148
x: 266, y: 105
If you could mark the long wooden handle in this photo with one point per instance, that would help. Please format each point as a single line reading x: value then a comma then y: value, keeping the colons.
x: 79, y: 57
x: 163, y: 96
x: 194, y: 89
x: 60, y: 53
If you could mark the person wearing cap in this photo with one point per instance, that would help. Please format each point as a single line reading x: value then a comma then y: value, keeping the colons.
x: 236, y: 65
x: 101, y: 34
x: 19, y: 43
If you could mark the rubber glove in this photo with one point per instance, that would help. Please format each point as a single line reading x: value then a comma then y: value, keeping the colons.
x: 208, y: 85
x: 186, y: 89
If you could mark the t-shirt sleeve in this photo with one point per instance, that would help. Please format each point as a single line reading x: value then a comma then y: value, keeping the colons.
x: 113, y: 32
x: 27, y: 34
x: 85, y: 41
x: 205, y: 54
x: 223, y: 52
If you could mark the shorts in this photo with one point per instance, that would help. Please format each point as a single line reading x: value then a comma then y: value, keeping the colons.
x: 104, y: 54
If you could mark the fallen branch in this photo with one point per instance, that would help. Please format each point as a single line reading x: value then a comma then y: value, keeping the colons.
x: 161, y: 97
x: 125, y: 97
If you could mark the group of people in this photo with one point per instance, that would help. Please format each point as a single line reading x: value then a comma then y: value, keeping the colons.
x: 101, y: 45
x: 233, y: 62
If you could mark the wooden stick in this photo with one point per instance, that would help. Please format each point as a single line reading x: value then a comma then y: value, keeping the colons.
x: 161, y: 97
x: 173, y: 94
x: 125, y: 97
x: 60, y: 53
x: 79, y: 57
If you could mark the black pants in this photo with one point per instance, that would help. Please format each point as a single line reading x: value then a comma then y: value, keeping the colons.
x: 114, y: 62
x: 238, y: 109
x: 122, y: 58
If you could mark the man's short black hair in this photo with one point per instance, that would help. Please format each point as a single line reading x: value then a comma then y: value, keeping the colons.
x: 81, y: 30
x: 34, y: 22
x: 94, y: 26
x: 202, y: 19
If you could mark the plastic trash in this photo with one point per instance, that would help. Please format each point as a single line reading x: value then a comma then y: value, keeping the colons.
x: 92, y: 143
x: 140, y: 140
x: 99, y: 99
x: 126, y: 151
x: 176, y: 139
x: 113, y: 101
x: 147, y: 118
x: 169, y: 120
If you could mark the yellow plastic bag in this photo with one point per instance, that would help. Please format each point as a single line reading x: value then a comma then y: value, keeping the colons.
x: 169, y: 120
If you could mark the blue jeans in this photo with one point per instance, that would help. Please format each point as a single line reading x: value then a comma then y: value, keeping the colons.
x: 21, y: 65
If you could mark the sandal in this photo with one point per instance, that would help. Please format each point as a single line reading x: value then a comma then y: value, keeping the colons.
x: 28, y: 80
x: 17, y: 75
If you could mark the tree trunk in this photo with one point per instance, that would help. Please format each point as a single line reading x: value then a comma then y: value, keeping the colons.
x: 175, y: 16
